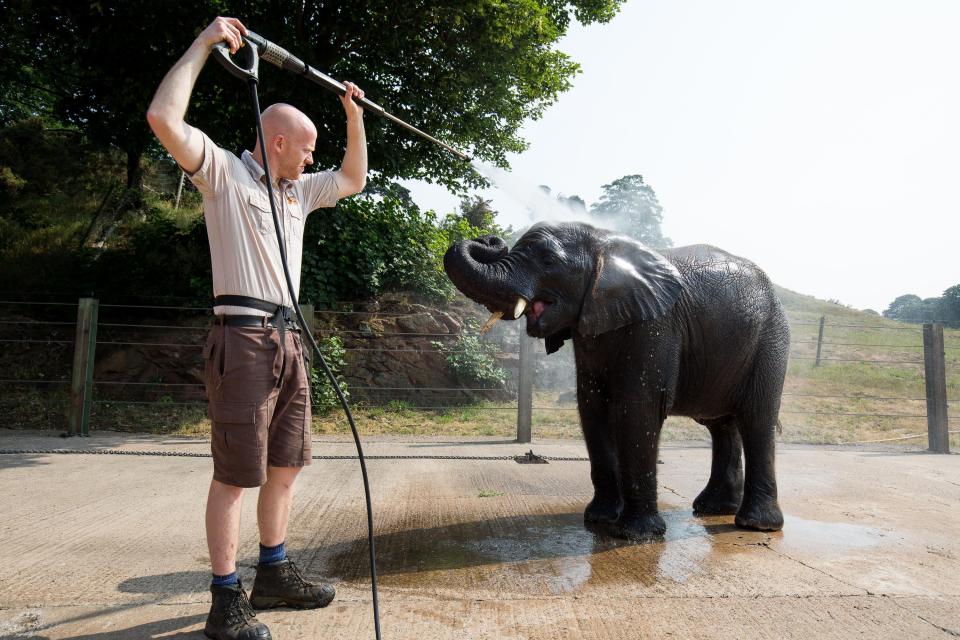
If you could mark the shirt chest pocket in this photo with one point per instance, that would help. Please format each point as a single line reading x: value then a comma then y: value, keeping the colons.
x: 259, y: 208
x: 296, y: 219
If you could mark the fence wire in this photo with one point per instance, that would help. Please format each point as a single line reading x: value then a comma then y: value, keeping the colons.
x: 377, y: 333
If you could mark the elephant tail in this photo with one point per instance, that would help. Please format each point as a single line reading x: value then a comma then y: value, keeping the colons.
x: 779, y: 427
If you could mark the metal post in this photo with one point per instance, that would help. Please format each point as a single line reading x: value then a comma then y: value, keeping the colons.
x: 935, y: 375
x: 820, y: 340
x: 176, y: 204
x: 81, y: 385
x: 525, y: 389
x: 308, y: 315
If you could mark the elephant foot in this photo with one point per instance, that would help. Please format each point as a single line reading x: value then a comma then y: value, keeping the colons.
x: 639, y: 527
x: 762, y: 515
x: 603, y: 510
x: 717, y: 501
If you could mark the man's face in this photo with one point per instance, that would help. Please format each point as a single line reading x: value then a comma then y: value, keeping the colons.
x: 296, y: 152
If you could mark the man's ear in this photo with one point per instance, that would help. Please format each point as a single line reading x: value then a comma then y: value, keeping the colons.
x: 631, y: 283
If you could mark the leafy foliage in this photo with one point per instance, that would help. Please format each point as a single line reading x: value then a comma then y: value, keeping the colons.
x: 375, y: 243
x: 468, y: 72
x: 323, y: 394
x: 630, y: 206
x: 473, y: 362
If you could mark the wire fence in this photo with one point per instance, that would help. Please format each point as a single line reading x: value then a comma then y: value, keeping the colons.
x: 848, y: 382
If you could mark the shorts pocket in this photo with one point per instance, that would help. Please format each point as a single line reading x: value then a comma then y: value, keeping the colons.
x: 213, y: 359
x: 236, y: 443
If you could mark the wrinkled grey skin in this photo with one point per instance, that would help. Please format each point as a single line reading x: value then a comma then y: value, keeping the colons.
x: 692, y: 331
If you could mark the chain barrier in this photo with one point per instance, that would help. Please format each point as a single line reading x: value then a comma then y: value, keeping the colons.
x: 187, y: 454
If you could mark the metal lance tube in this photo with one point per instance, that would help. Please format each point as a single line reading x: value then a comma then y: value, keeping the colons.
x: 277, y: 55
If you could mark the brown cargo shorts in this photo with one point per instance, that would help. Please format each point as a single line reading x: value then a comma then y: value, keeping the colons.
x: 258, y: 401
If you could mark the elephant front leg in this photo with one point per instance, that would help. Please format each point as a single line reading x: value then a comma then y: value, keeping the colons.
x: 638, y: 437
x: 606, y: 505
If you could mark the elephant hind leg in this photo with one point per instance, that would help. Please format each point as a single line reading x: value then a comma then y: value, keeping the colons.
x: 724, y: 489
x: 758, y: 420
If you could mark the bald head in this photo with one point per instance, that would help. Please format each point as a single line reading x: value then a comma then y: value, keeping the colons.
x: 290, y: 137
x: 285, y: 120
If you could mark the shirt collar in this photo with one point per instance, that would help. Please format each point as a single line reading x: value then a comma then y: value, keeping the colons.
x: 256, y: 171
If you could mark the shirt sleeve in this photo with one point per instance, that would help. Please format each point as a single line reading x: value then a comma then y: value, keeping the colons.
x: 213, y: 173
x: 319, y: 190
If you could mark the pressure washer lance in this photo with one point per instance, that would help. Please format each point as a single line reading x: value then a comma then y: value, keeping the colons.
x: 259, y: 47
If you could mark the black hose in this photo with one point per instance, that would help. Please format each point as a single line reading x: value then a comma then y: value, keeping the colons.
x: 316, y: 349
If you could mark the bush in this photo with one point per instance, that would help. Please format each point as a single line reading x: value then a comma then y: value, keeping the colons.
x: 473, y: 362
x: 324, y: 396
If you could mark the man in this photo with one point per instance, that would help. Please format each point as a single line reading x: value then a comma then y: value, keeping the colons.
x: 257, y: 384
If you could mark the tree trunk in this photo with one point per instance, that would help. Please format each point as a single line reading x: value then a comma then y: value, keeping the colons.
x: 134, y: 170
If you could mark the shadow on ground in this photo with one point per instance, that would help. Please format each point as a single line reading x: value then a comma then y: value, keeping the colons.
x: 168, y: 629
x: 19, y: 461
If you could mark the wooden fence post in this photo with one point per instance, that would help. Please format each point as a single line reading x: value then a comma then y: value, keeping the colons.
x: 308, y: 315
x: 820, y: 340
x: 935, y: 375
x: 81, y: 384
x: 525, y: 389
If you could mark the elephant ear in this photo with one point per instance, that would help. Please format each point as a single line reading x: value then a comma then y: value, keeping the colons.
x: 631, y: 283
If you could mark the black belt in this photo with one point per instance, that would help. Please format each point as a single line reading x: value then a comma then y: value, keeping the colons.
x: 281, y: 317
x: 252, y: 321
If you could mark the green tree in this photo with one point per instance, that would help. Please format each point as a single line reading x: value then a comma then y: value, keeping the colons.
x: 950, y: 305
x: 904, y: 308
x: 470, y: 73
x: 629, y: 205
x: 478, y: 212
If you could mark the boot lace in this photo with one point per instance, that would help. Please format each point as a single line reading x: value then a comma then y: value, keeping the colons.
x: 293, y: 577
x: 239, y: 611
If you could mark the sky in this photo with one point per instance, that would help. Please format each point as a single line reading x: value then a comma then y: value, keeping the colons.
x: 819, y: 139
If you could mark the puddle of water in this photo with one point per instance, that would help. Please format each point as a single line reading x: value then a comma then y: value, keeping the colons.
x: 555, y: 554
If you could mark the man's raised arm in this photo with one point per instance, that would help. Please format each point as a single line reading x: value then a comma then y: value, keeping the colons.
x: 169, y: 106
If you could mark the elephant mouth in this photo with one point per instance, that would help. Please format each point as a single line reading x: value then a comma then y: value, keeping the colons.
x: 535, y: 312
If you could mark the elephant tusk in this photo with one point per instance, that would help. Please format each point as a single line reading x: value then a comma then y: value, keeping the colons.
x: 496, y: 315
x: 518, y: 310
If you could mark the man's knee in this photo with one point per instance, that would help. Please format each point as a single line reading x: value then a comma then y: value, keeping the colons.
x: 225, y: 492
x: 282, y: 476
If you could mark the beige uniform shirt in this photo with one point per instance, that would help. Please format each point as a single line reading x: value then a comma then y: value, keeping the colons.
x: 243, y: 243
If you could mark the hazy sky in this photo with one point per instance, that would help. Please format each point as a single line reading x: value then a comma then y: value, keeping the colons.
x: 820, y: 139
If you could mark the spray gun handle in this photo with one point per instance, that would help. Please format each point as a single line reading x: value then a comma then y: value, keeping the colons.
x: 221, y: 52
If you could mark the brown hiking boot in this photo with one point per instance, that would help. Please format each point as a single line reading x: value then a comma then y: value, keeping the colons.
x: 231, y: 616
x: 282, y: 585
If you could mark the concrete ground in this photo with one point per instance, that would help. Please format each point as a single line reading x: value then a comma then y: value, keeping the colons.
x: 101, y: 546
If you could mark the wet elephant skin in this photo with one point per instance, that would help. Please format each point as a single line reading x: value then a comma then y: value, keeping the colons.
x: 691, y: 331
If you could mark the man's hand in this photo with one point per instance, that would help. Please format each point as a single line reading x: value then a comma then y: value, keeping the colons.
x: 351, y: 108
x: 226, y: 30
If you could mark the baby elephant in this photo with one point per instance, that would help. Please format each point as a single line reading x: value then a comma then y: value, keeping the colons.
x: 692, y: 331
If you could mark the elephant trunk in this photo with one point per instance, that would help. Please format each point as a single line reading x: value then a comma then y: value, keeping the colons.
x: 476, y: 268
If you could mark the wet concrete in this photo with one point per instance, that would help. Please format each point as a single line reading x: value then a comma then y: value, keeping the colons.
x: 112, y: 547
